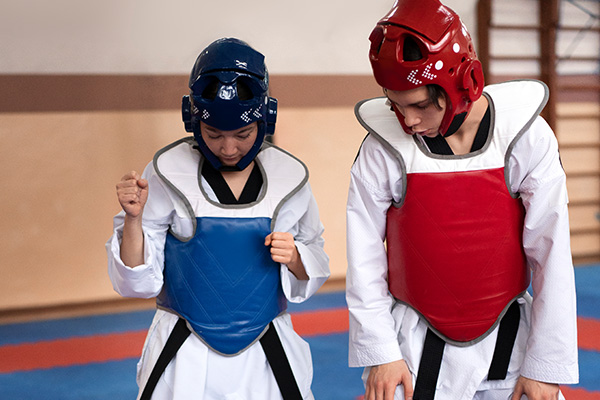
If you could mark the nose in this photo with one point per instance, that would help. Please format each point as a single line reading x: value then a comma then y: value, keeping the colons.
x: 229, y: 147
x: 411, y: 118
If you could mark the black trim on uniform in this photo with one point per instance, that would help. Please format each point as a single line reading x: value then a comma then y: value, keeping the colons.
x: 222, y: 190
x: 438, y: 144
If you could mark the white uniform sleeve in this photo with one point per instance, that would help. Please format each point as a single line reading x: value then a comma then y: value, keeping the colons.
x: 300, y: 217
x: 536, y: 173
x: 146, y: 280
x: 373, y: 337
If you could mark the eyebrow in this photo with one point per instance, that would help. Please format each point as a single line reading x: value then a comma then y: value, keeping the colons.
x: 415, y: 104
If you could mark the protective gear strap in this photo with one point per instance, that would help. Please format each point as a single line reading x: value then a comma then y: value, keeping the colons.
x: 270, y: 343
x: 179, y: 334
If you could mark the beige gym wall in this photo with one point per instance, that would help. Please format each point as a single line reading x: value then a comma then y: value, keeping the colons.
x: 58, y: 198
x: 90, y: 90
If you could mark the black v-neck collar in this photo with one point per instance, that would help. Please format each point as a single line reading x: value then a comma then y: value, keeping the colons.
x: 222, y: 190
x: 438, y: 144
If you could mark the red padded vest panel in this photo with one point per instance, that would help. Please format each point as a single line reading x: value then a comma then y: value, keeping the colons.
x: 455, y: 250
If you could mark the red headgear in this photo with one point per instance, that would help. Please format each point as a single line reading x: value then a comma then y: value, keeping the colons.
x: 448, y: 58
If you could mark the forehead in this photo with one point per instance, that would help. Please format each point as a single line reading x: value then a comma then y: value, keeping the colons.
x: 248, y: 128
x: 406, y: 97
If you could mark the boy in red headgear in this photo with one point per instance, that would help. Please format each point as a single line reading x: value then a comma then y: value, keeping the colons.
x: 457, y: 203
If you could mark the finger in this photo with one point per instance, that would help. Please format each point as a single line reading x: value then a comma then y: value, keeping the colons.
x: 516, y: 395
x: 285, y: 242
x: 389, y: 393
x: 142, y: 183
x: 129, y: 198
x: 268, y: 239
x: 131, y: 183
x: 286, y: 236
x: 370, y: 393
x: 127, y: 188
x: 281, y: 247
x: 408, y: 387
x: 130, y: 175
x: 281, y: 256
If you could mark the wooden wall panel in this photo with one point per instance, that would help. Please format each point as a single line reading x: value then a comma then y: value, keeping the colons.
x: 58, y: 199
x: 580, y: 160
x: 583, y: 189
x: 584, y: 217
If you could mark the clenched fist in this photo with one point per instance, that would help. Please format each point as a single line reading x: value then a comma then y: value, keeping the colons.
x: 284, y: 251
x: 132, y: 192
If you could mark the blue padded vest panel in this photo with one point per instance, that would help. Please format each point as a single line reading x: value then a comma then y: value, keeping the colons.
x: 223, y: 282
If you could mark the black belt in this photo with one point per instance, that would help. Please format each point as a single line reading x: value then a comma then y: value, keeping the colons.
x: 433, y: 351
x: 280, y: 365
x: 270, y: 343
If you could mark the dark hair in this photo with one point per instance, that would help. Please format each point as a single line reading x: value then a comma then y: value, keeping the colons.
x: 211, y: 90
x: 435, y: 94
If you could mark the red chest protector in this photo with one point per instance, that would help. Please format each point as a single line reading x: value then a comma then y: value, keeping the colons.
x: 454, y: 240
x: 455, y: 250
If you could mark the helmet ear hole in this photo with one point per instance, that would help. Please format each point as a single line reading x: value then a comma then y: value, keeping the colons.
x: 473, y: 80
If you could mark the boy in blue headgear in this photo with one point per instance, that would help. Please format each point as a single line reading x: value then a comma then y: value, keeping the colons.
x: 222, y: 228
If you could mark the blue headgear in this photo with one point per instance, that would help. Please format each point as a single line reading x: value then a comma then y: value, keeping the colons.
x: 228, y: 62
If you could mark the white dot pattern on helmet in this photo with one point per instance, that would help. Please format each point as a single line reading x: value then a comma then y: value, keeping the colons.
x: 257, y: 113
x: 427, y: 73
x: 412, y: 77
x: 205, y: 114
x: 245, y: 116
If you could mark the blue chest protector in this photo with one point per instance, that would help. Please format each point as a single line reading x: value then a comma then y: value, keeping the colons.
x: 220, y: 277
x: 224, y: 282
